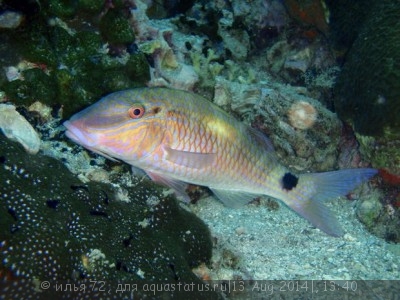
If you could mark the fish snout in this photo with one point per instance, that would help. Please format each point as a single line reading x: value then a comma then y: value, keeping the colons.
x: 76, y: 133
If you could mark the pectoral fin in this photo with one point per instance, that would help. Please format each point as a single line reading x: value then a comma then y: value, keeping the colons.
x: 178, y: 186
x: 195, y: 160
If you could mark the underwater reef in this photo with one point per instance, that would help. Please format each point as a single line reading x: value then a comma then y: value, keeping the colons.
x: 320, y: 80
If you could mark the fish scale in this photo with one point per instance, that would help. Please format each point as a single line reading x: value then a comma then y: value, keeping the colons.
x: 178, y: 137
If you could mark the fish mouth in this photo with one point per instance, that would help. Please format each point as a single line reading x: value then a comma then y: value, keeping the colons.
x: 84, y: 139
x: 77, y: 135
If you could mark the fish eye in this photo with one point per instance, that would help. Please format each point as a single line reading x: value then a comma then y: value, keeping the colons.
x: 136, y: 112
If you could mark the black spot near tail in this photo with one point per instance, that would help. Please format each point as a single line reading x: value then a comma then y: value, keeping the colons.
x: 289, y: 181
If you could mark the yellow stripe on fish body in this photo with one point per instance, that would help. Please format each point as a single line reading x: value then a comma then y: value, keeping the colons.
x: 178, y: 137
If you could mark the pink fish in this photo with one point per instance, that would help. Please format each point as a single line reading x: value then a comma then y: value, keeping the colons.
x: 178, y: 137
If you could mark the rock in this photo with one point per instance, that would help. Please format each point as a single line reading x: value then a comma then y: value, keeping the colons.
x: 17, y: 128
x: 10, y: 19
x: 377, y: 211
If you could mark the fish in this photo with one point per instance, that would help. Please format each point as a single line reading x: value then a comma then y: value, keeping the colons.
x: 179, y: 138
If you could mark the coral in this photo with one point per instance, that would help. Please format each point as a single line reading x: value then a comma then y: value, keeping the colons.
x: 349, y: 150
x: 369, y: 99
x: 63, y: 9
x: 206, y: 66
x: 258, y: 20
x: 66, y: 62
x: 378, y: 210
x: 237, y: 41
x: 92, y: 6
x: 115, y: 28
x: 367, y: 89
x: 346, y: 19
x: 238, y: 73
x: 56, y: 228
x: 301, y: 63
x: 238, y: 33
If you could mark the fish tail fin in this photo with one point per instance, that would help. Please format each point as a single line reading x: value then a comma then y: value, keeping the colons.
x: 313, y: 189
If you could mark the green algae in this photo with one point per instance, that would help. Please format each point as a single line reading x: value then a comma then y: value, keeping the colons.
x: 72, y: 63
x: 92, y: 6
x: 381, y: 152
x: 62, y: 9
x: 35, y: 86
x: 116, y: 29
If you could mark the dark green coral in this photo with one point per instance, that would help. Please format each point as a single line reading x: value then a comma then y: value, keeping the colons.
x: 51, y: 222
x: 37, y: 85
x: 92, y: 6
x: 74, y: 66
x: 346, y: 19
x: 59, y: 8
x: 368, y: 89
x: 116, y: 29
